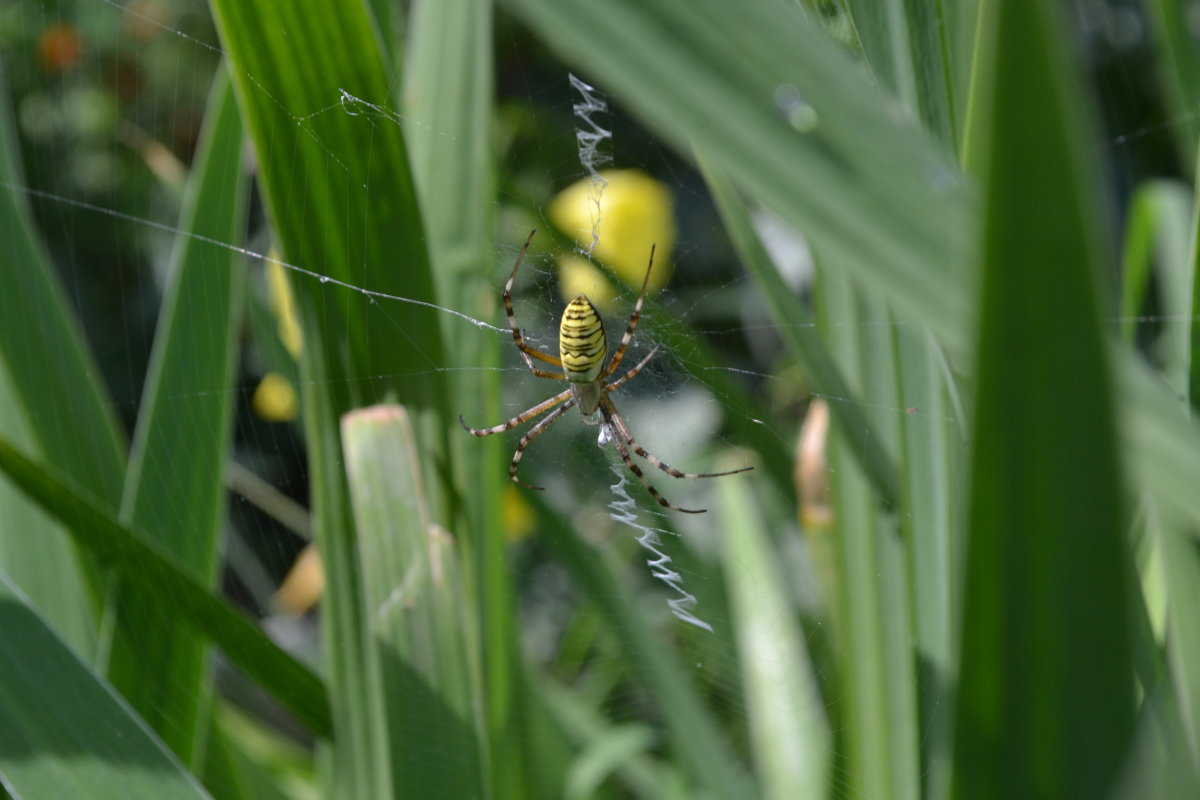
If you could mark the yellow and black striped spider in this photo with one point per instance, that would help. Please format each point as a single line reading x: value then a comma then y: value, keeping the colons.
x: 582, y: 348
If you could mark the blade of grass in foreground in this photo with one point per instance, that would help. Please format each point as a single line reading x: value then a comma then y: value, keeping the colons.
x: 1045, y: 705
x: 449, y: 95
x: 97, y: 530
x: 66, y: 733
x: 870, y: 594
x: 415, y: 600
x: 53, y: 374
x: 311, y: 79
x: 788, y: 726
x: 158, y: 666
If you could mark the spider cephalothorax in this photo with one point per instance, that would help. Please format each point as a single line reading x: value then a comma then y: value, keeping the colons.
x: 582, y: 349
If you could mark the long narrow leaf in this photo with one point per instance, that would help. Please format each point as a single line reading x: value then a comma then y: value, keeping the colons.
x: 53, y: 368
x: 66, y: 733
x: 787, y: 717
x: 1045, y: 705
x: 128, y: 552
x: 159, y: 667
x: 415, y: 599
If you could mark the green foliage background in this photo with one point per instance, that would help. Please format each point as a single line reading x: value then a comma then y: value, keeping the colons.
x: 1008, y: 599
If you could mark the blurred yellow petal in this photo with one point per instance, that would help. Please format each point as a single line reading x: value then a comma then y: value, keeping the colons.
x: 632, y: 213
x: 283, y: 305
x: 275, y: 398
x: 304, y: 584
x: 577, y: 275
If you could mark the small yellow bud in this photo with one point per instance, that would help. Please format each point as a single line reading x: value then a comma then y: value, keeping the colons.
x: 275, y: 399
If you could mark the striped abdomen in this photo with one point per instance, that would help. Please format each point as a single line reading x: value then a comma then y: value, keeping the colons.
x: 581, y: 344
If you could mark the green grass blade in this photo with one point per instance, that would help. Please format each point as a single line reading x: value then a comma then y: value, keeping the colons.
x: 905, y: 45
x: 449, y: 110
x: 66, y: 733
x: 34, y: 551
x: 933, y: 448
x: 1179, y: 72
x: 339, y: 193
x: 1157, y: 240
x: 1045, y: 705
x: 870, y: 595
x: 788, y: 726
x: 160, y: 668
x: 802, y: 340
x: 96, y: 530
x: 1181, y: 573
x: 414, y: 594
x: 336, y: 181
x: 52, y: 371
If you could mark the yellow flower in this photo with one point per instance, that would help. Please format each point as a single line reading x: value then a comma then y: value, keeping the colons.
x: 628, y: 215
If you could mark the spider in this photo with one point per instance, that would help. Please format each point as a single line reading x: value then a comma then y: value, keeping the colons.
x: 582, y: 349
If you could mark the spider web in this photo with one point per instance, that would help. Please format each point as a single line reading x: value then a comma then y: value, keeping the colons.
x: 103, y: 138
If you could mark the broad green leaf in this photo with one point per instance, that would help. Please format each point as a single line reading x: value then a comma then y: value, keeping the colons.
x: 175, y: 485
x: 130, y: 554
x: 1045, y: 704
x: 67, y: 733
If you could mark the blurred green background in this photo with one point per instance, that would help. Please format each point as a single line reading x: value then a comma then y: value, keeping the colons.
x: 929, y: 269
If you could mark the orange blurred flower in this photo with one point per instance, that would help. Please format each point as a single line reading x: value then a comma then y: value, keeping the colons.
x: 60, y: 47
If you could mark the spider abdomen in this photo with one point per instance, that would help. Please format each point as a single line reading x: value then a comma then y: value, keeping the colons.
x: 581, y: 344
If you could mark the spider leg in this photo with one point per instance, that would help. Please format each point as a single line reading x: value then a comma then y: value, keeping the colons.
x: 528, y: 351
x: 633, y: 321
x: 612, y: 387
x: 532, y: 434
x: 614, y: 420
x: 541, y: 373
x: 524, y: 416
x: 637, y: 471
